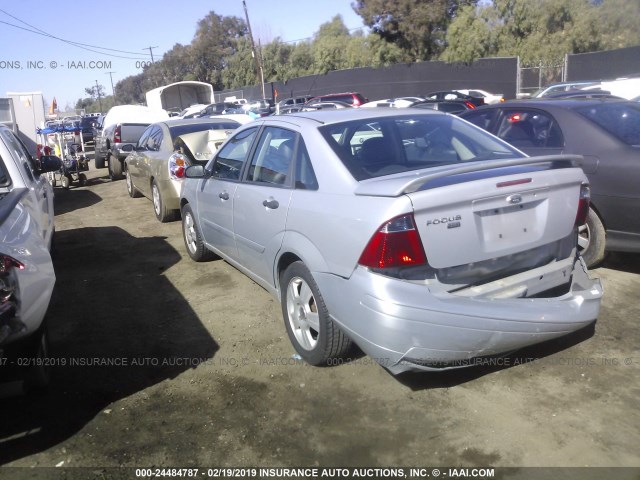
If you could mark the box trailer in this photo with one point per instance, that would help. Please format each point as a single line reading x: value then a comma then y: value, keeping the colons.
x: 29, y: 113
x: 177, y: 96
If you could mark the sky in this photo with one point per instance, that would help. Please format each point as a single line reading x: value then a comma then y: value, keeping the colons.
x: 32, y: 62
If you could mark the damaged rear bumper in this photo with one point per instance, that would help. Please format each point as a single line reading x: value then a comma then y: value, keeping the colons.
x: 405, y: 326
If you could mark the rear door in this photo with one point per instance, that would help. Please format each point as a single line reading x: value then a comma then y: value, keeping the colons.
x: 136, y: 159
x: 261, y: 202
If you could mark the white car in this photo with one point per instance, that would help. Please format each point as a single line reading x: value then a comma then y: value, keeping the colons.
x: 399, y: 102
x: 26, y: 270
x: 489, y: 98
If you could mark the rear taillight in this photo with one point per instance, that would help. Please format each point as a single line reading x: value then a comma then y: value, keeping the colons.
x: 396, y: 244
x: 117, y: 134
x: 469, y: 105
x: 177, y: 165
x: 8, y: 263
x: 583, y: 205
x: 7, y: 281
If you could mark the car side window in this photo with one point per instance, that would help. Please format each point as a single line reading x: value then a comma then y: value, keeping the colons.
x: 21, y: 152
x: 481, y: 118
x: 142, y: 143
x: 155, y: 139
x: 530, y: 128
x: 273, y: 157
x: 305, y: 176
x: 229, y: 160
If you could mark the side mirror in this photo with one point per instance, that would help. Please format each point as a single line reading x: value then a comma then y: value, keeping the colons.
x: 129, y: 147
x: 195, y: 171
x: 49, y: 163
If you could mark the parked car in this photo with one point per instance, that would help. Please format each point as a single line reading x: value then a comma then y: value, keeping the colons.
x: 399, y: 102
x: 607, y: 133
x: 489, y: 98
x: 352, y: 98
x: 324, y: 105
x: 290, y: 109
x: 292, y: 102
x: 26, y: 270
x: 563, y: 87
x: 414, y: 234
x: 192, y: 111
x: 455, y: 95
x: 155, y: 166
x: 584, y: 93
x: 87, y: 125
x: 122, y: 125
x: 449, y: 106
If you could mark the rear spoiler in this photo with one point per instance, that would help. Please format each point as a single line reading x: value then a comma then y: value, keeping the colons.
x: 403, y: 183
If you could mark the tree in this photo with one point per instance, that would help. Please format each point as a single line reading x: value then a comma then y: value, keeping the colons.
x: 215, y: 41
x: 95, y: 91
x: 328, y: 47
x: 130, y: 90
x: 416, y: 26
x: 541, y: 31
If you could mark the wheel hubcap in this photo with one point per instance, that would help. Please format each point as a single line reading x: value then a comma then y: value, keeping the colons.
x: 584, y: 238
x: 303, y: 316
x: 190, y: 233
x: 156, y: 200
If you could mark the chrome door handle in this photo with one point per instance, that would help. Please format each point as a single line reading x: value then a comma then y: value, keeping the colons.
x: 273, y: 204
x: 224, y: 195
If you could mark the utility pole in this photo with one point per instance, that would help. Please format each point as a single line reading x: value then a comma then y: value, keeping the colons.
x: 151, y: 52
x: 256, y: 55
x: 113, y: 90
x: 98, y: 93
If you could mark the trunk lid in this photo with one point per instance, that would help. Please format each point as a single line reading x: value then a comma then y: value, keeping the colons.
x: 485, y: 213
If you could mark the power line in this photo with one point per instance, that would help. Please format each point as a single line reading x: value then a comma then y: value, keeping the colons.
x: 83, y: 46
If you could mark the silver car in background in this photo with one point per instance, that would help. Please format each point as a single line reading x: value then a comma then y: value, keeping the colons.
x: 423, y: 239
x: 155, y: 166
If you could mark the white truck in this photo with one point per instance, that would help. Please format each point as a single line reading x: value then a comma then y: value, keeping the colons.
x: 26, y: 270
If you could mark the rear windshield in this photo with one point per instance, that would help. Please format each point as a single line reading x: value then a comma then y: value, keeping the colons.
x: 178, y: 130
x: 622, y: 120
x: 375, y: 147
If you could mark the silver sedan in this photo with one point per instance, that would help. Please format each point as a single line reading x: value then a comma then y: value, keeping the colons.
x: 425, y: 240
x: 155, y: 167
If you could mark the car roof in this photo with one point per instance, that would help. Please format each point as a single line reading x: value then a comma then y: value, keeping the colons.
x: 347, y: 114
x: 563, y: 102
x: 191, y: 121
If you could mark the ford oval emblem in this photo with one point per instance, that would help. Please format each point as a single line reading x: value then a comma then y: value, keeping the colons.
x: 514, y: 199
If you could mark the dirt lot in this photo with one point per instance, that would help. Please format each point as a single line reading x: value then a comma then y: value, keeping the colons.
x: 204, y: 373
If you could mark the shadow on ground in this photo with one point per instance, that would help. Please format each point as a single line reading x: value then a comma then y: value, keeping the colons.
x: 623, y: 262
x: 117, y: 332
x: 74, y: 199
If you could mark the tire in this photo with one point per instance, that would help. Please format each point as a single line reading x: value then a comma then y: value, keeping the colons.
x: 82, y: 179
x: 99, y: 162
x: 592, y: 239
x: 115, y: 167
x: 38, y: 375
x: 193, y: 239
x: 316, y: 338
x: 65, y: 181
x: 163, y: 214
x: 133, y: 191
